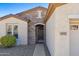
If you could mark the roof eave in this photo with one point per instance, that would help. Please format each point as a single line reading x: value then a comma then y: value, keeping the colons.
x: 51, y: 9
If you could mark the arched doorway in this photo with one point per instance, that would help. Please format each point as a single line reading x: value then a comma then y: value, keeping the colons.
x: 39, y: 30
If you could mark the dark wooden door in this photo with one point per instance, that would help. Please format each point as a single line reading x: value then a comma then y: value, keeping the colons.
x: 39, y: 34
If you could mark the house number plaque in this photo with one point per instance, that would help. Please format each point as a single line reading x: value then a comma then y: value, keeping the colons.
x: 63, y: 33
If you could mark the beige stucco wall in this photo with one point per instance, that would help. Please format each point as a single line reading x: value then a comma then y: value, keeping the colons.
x: 22, y: 29
x: 50, y: 34
x: 61, y: 19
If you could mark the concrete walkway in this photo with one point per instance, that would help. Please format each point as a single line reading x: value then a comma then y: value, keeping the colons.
x: 39, y: 50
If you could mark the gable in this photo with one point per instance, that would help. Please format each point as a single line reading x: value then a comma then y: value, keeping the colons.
x: 32, y: 13
x: 31, y: 10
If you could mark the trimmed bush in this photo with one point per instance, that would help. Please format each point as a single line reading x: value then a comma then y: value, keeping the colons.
x: 8, y: 41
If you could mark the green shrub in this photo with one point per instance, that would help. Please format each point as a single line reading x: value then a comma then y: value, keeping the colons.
x: 8, y: 41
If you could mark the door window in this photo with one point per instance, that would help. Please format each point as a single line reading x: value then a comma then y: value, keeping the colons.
x: 74, y: 27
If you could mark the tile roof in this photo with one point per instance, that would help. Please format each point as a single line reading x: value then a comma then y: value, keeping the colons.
x: 18, y: 15
x: 11, y: 15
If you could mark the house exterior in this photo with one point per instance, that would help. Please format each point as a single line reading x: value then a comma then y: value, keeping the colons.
x: 13, y: 25
x: 62, y: 29
x: 36, y: 26
x: 27, y: 26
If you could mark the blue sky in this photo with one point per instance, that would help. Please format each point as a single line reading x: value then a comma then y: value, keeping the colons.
x: 13, y: 8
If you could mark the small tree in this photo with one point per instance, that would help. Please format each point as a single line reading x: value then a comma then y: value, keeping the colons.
x: 8, y: 41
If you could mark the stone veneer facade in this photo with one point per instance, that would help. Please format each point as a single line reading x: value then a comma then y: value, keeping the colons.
x: 32, y: 15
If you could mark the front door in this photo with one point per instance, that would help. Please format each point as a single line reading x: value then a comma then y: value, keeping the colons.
x: 39, y: 33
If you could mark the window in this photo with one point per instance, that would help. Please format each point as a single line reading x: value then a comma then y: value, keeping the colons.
x: 15, y: 31
x: 9, y: 30
x: 74, y: 27
x: 39, y: 14
x: 12, y: 29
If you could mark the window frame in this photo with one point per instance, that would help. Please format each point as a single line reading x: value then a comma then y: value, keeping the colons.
x: 12, y: 26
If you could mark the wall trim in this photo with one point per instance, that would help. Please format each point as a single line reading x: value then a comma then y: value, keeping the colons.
x: 73, y: 16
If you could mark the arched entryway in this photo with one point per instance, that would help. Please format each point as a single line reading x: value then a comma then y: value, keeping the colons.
x: 39, y: 31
